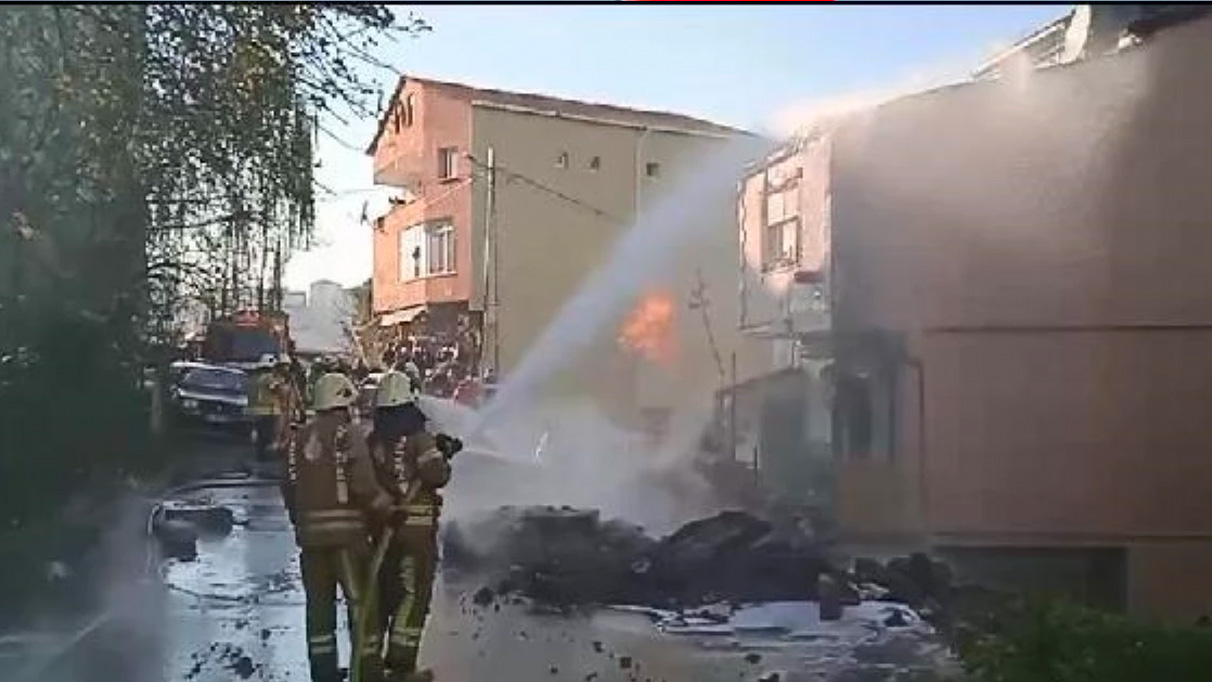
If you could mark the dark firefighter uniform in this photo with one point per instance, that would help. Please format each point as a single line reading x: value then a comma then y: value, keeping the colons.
x: 329, y: 489
x: 413, y: 468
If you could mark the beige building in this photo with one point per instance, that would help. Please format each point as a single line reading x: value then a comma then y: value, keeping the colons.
x: 570, y: 179
x: 1011, y: 278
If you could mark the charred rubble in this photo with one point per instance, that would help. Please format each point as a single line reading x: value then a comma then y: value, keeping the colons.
x: 564, y: 557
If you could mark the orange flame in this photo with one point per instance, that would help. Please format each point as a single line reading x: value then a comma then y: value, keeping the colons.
x: 649, y: 330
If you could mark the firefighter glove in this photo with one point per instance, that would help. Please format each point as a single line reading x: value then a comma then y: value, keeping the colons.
x: 448, y: 445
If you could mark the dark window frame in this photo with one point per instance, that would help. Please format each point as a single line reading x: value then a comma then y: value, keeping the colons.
x: 448, y: 163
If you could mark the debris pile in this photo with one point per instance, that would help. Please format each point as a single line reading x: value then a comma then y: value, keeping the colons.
x: 565, y: 557
x: 223, y: 655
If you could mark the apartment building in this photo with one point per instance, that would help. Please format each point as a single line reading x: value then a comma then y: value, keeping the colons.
x: 1008, y: 280
x: 570, y: 178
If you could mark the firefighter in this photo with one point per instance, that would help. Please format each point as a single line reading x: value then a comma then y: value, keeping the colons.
x: 287, y: 396
x: 265, y: 406
x: 412, y: 464
x: 414, y: 376
x: 330, y: 490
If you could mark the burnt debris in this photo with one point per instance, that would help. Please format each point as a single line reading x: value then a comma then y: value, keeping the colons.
x: 562, y: 558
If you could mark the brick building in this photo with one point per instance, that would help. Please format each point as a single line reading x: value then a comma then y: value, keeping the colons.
x: 571, y: 177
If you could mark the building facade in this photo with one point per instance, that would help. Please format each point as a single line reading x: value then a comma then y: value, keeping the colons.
x: 321, y: 319
x: 1017, y: 326
x: 570, y: 179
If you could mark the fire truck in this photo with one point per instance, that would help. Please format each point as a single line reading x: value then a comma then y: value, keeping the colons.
x: 240, y: 340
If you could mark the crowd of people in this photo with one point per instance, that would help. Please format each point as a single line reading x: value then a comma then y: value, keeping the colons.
x: 448, y: 364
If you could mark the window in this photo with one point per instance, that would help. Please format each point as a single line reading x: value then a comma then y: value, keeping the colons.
x: 411, y: 261
x: 441, y: 246
x: 562, y: 160
x: 780, y: 243
x: 781, y: 216
x: 407, y: 113
x: 427, y: 249
x: 401, y: 113
x: 595, y: 163
x: 447, y: 163
x: 652, y: 169
x: 865, y: 410
x: 856, y: 412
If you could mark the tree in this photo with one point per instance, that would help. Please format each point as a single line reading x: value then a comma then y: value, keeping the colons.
x: 148, y: 152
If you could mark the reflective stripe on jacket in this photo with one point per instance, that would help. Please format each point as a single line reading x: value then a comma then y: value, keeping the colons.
x: 331, y: 483
x: 398, y: 467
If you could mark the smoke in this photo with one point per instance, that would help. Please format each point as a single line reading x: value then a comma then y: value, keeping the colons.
x: 123, y: 639
x: 806, y: 113
x: 641, y: 257
x: 572, y: 454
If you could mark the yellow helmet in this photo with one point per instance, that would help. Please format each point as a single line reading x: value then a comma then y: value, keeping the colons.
x: 333, y: 390
x: 395, y: 389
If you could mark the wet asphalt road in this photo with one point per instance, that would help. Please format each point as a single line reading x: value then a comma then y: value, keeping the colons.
x: 236, y: 612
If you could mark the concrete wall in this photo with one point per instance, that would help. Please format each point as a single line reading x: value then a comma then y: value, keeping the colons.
x: 549, y: 245
x: 409, y: 158
x: 1043, y: 243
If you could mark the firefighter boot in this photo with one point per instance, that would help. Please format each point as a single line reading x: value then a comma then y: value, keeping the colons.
x: 416, y: 568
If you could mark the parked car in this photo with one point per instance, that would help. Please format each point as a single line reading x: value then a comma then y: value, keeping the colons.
x: 212, y: 396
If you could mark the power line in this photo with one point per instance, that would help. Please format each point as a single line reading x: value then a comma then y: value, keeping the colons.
x: 536, y: 184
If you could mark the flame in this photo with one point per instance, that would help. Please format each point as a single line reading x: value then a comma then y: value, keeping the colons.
x: 649, y: 330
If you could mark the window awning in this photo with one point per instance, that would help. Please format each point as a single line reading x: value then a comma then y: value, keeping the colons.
x: 401, y: 316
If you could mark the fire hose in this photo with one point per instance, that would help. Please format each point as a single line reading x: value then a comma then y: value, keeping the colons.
x: 449, y: 448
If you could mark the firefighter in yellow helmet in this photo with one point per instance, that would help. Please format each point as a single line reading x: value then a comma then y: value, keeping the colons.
x: 413, y: 465
x: 330, y: 490
x: 265, y: 406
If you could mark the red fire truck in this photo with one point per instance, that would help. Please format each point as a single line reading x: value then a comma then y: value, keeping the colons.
x: 242, y: 339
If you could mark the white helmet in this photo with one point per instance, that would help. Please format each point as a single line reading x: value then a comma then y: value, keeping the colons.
x: 267, y: 361
x: 333, y: 390
x: 395, y: 389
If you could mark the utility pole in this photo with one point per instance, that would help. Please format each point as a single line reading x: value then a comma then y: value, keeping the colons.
x: 492, y: 289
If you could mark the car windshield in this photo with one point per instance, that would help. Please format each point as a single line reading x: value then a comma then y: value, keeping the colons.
x: 215, y: 380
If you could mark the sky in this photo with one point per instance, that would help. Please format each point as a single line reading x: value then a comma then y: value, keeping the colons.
x: 763, y: 68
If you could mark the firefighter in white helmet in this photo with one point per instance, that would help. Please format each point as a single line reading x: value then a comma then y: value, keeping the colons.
x: 413, y: 465
x: 330, y: 490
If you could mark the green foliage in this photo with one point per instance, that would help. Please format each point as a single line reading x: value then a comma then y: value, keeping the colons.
x: 1048, y: 641
x: 150, y: 154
